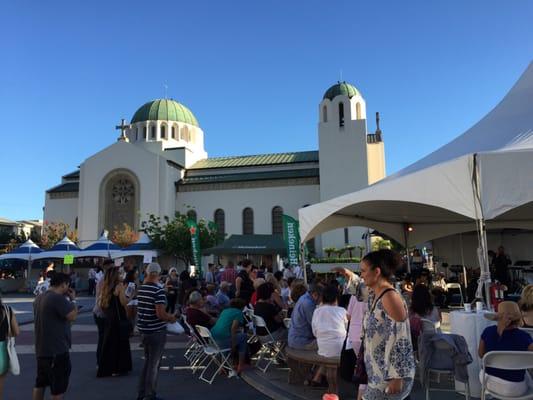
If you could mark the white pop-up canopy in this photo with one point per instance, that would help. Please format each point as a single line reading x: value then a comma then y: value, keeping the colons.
x: 481, y: 179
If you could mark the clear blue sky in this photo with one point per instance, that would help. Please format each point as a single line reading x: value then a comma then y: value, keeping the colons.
x: 253, y: 73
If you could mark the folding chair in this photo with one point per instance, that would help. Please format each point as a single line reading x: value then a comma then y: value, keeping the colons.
x: 271, y: 348
x: 445, y: 367
x: 455, y: 286
x: 219, y: 358
x: 248, y: 314
x: 195, y: 353
x: 287, y: 322
x: 512, y: 360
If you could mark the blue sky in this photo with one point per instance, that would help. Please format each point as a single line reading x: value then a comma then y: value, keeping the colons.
x: 253, y: 73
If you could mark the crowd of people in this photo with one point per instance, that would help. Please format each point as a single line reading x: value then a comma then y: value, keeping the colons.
x: 377, y: 314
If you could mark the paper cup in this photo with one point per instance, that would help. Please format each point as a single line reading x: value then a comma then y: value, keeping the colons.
x: 479, y: 306
x: 468, y: 307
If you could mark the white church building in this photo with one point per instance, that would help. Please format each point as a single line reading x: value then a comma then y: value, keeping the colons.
x: 159, y: 165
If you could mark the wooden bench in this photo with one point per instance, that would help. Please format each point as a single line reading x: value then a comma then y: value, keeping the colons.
x: 301, y: 361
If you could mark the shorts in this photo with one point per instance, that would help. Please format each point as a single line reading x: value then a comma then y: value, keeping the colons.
x: 53, y: 372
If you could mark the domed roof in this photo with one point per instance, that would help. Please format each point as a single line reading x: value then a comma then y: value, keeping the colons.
x: 165, y: 110
x: 340, y: 88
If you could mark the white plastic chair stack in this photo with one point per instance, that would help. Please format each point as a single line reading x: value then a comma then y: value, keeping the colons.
x: 511, y: 360
x: 219, y: 358
x: 271, y: 348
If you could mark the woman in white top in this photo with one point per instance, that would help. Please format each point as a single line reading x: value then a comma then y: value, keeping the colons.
x: 329, y: 327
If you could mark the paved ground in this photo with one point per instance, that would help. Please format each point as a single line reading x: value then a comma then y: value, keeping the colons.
x: 177, y: 382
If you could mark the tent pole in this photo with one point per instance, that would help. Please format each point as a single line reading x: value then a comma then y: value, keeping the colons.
x: 407, y: 250
x: 302, y: 262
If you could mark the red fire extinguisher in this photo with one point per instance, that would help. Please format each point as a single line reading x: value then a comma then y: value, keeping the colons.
x: 496, y: 295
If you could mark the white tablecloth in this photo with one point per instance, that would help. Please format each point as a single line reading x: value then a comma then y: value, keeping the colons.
x: 470, y: 325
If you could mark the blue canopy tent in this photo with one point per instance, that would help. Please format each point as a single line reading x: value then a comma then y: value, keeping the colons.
x: 59, y: 250
x: 27, y: 252
x: 142, y: 247
x: 103, y: 247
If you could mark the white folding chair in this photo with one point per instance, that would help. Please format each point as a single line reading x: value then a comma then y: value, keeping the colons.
x: 219, y: 358
x: 271, y: 348
x: 511, y: 360
x: 442, y: 347
x: 430, y: 326
x: 456, y: 286
x: 195, y: 352
x: 248, y: 314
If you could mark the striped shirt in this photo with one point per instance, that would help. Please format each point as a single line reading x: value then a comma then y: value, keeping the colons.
x: 148, y: 296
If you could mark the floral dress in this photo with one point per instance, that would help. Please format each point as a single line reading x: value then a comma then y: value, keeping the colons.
x: 388, y: 352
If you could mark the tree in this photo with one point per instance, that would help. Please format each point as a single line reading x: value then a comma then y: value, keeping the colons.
x: 349, y: 248
x: 173, y: 238
x: 124, y: 236
x: 361, y: 249
x: 53, y: 232
x: 329, y: 251
x: 381, y: 244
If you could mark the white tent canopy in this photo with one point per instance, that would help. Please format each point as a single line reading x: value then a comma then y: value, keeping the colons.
x: 26, y: 251
x: 142, y: 247
x: 439, y: 195
x: 59, y: 250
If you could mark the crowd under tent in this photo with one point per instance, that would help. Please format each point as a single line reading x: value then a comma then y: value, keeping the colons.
x: 481, y: 180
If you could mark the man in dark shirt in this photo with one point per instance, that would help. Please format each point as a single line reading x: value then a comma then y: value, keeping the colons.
x: 152, y: 322
x: 195, y: 314
x: 501, y: 265
x: 54, y: 310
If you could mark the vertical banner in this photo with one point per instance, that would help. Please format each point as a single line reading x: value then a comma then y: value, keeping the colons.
x: 291, y: 236
x: 195, y: 245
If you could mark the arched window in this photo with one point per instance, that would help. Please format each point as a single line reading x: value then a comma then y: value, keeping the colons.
x: 173, y: 134
x: 247, y: 221
x: 325, y: 114
x: 220, y: 222
x: 163, y: 132
x: 144, y: 133
x: 277, y: 220
x: 136, y: 134
x: 358, y: 110
x: 191, y: 214
x: 341, y: 114
x: 152, y: 132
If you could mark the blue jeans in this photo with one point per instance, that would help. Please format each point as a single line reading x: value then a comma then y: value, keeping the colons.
x: 241, y: 343
x: 154, y: 344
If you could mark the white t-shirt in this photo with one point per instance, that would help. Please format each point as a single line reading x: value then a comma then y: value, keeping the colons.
x: 329, y: 327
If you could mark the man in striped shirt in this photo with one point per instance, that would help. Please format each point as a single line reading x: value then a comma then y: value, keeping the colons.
x: 152, y: 322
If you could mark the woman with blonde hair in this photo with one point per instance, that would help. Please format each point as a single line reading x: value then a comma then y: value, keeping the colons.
x: 115, y: 357
x: 526, y: 306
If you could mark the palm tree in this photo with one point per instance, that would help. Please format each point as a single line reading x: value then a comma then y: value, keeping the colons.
x: 329, y: 251
x: 349, y: 248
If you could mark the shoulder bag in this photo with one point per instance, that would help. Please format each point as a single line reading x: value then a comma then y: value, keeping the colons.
x: 347, y: 361
x: 14, y: 366
x: 361, y: 376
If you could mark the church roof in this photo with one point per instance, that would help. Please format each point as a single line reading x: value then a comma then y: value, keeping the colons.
x: 65, y: 187
x: 72, y: 175
x: 257, y: 160
x: 340, y: 88
x: 164, y: 110
x: 251, y: 176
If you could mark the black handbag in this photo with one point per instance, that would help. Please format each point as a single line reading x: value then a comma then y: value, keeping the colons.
x: 347, y: 362
x: 124, y: 325
x: 361, y: 377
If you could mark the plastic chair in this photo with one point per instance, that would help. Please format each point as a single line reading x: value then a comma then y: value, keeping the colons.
x: 219, y: 358
x: 456, y: 286
x: 512, y: 360
x: 442, y: 347
x: 269, y: 346
x: 430, y: 326
x: 195, y: 351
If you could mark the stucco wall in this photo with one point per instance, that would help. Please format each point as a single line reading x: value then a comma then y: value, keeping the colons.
x: 61, y: 210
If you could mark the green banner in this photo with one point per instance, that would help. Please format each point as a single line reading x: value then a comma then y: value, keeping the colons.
x: 291, y: 236
x: 195, y: 245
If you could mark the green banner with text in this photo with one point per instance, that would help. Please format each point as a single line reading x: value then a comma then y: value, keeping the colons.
x: 291, y: 236
x: 195, y: 245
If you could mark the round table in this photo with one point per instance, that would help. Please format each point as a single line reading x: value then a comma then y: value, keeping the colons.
x: 470, y: 325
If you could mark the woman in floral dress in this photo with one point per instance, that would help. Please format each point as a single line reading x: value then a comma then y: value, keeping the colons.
x: 388, y: 350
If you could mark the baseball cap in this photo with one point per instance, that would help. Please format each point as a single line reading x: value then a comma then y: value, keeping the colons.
x: 153, y: 268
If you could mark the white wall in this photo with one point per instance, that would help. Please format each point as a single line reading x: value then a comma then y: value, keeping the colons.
x: 156, y: 178
x: 261, y: 200
x: 61, y: 210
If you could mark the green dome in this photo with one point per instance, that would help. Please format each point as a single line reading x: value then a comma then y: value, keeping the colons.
x: 165, y: 110
x: 340, y: 88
